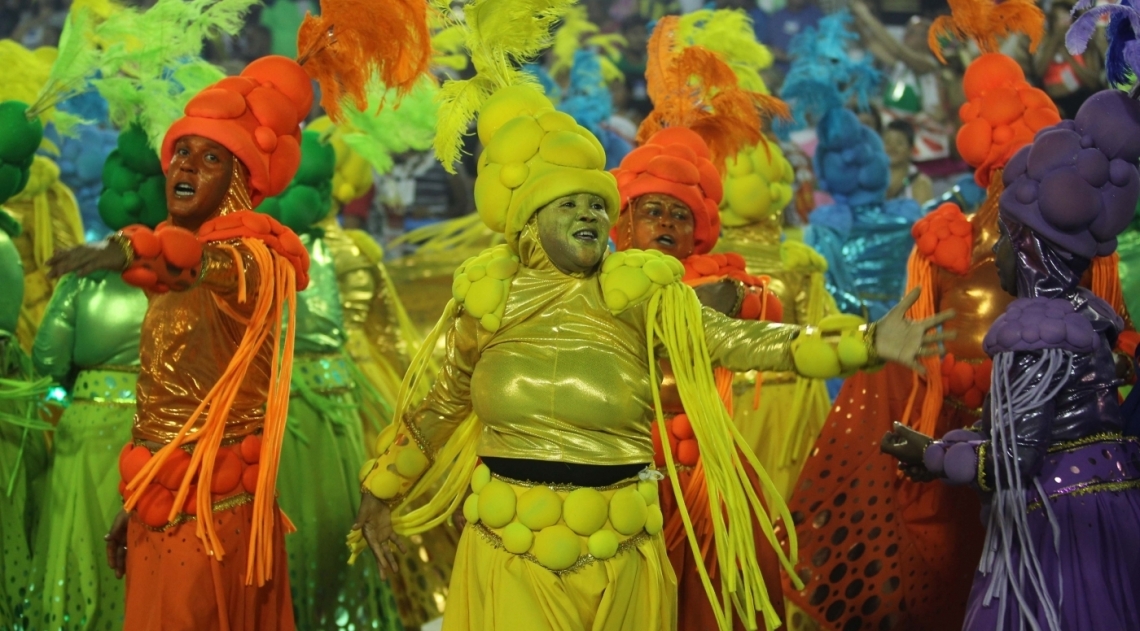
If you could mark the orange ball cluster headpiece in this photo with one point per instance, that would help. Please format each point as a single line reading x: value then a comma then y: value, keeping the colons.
x: 946, y: 238
x: 1001, y: 115
x: 257, y: 116
x: 676, y: 162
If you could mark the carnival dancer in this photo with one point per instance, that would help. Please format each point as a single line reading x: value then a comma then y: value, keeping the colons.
x: 547, y: 379
x: 661, y: 212
x: 931, y: 534
x: 203, y: 543
x: 1057, y: 477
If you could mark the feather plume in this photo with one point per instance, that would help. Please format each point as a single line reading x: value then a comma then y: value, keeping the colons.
x: 25, y: 71
x: 377, y: 135
x: 577, y: 32
x: 77, y: 59
x: 587, y: 97
x: 353, y: 41
x: 447, y: 47
x: 1123, y: 55
x: 695, y: 88
x: 987, y: 23
x: 730, y: 34
x: 501, y: 35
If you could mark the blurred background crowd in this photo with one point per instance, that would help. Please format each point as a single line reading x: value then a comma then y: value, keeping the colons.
x: 916, y: 111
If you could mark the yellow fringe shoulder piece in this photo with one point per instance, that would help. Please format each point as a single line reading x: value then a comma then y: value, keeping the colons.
x: 987, y: 23
x: 482, y: 282
x: 729, y: 33
x: 673, y: 316
x: 630, y: 277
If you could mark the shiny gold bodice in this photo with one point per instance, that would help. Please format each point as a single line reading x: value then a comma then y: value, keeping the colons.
x: 977, y: 297
x: 188, y: 339
x: 564, y: 379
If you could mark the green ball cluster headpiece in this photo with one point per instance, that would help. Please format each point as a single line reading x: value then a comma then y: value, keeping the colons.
x: 134, y: 188
x: 19, y: 139
x: 308, y: 198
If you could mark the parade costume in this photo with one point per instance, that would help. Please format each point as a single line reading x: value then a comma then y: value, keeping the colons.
x: 89, y: 343
x: 23, y: 452
x: 1048, y: 456
x: 324, y: 429
x: 916, y: 544
x: 250, y: 267
x: 519, y: 333
x: 756, y: 302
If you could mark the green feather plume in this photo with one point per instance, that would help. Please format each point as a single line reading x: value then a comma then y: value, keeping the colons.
x: 578, y: 31
x: 377, y: 135
x: 501, y: 35
x: 77, y: 59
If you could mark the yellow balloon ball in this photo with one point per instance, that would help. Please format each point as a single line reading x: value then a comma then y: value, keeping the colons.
x: 539, y: 507
x: 497, y: 504
x: 479, y: 478
x: 584, y: 511
x: 628, y: 511
x: 654, y: 521
x: 471, y: 509
x: 648, y: 491
x: 517, y: 538
x: 557, y: 547
x: 603, y: 544
x: 365, y: 469
x: 411, y: 462
x: 384, y: 485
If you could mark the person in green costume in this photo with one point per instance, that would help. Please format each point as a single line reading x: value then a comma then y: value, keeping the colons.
x: 23, y: 452
x: 324, y: 431
x: 88, y: 342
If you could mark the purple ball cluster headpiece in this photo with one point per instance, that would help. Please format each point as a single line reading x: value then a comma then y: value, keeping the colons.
x: 1077, y: 184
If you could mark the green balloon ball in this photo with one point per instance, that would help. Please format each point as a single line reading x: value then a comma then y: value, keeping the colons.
x: 10, y: 179
x: 19, y: 137
x: 123, y: 179
x: 113, y: 211
x: 300, y: 209
x: 25, y: 175
x: 318, y: 160
x: 136, y: 152
x: 132, y: 205
x: 271, y: 206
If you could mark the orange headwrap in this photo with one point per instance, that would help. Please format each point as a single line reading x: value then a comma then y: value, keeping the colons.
x: 1002, y: 114
x: 676, y: 162
x: 257, y: 116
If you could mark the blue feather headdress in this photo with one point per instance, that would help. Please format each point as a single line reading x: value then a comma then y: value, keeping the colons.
x: 823, y: 76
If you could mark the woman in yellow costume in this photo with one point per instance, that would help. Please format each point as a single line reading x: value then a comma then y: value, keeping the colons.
x: 550, y: 380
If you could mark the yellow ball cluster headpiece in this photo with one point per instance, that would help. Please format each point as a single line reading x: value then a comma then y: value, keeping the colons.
x: 532, y: 156
x: 757, y: 184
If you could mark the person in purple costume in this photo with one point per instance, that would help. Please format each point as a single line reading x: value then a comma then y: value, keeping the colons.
x: 1060, y: 483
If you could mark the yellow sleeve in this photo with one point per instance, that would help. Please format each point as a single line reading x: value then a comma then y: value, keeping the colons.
x: 407, y: 450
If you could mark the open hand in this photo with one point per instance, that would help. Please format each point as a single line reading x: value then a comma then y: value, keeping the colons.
x: 88, y: 258
x: 904, y: 341
x: 375, y: 520
x: 116, y: 540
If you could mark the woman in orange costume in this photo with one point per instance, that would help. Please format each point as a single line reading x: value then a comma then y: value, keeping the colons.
x: 202, y: 545
x: 664, y: 210
x: 879, y: 551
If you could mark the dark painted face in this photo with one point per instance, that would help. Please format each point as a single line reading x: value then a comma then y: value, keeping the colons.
x: 1006, y: 261
x: 573, y: 231
x: 662, y: 222
x: 197, y: 180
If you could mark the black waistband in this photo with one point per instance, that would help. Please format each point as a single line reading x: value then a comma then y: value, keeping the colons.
x: 546, y: 472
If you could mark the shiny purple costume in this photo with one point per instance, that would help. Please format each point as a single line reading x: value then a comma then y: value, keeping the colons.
x: 1061, y: 485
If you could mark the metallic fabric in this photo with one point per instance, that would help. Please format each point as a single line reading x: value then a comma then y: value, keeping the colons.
x: 563, y: 379
x: 320, y: 319
x: 188, y: 340
x: 92, y: 321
